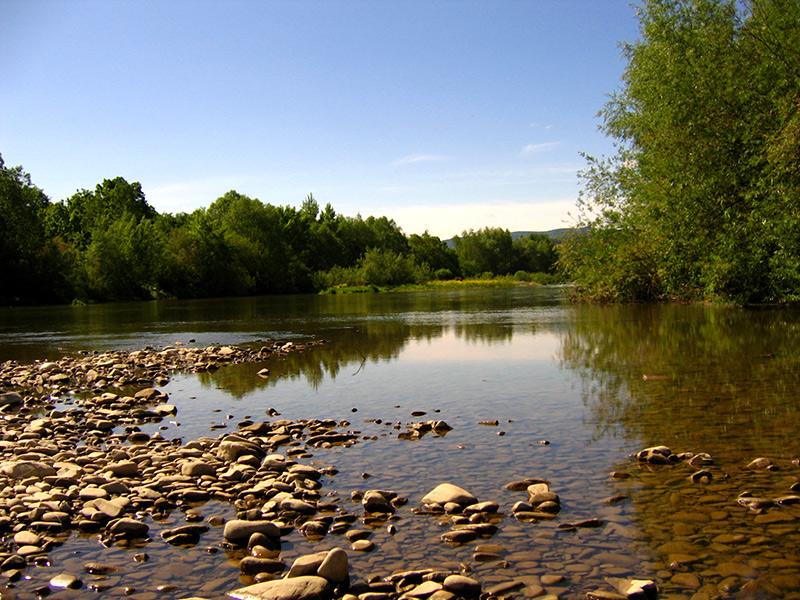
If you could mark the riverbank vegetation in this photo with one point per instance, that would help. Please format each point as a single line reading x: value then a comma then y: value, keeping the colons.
x: 701, y: 200
x: 109, y: 244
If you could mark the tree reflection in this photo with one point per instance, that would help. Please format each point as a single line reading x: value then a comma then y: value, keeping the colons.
x: 695, y: 377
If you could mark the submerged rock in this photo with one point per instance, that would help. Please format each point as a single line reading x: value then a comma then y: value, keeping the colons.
x: 447, y: 492
x: 308, y: 587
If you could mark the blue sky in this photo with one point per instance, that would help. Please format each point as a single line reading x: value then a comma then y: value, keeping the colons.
x: 443, y: 115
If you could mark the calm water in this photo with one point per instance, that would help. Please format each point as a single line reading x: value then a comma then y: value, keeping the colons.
x: 597, y: 383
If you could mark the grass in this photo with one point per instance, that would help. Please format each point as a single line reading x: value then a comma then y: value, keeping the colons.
x: 450, y: 284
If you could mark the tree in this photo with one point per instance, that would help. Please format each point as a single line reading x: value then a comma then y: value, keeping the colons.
x: 429, y: 250
x: 534, y: 253
x: 487, y: 250
x: 700, y: 201
x: 31, y: 265
x: 76, y: 218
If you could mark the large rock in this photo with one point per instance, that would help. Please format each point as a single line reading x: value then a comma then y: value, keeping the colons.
x: 375, y: 501
x: 128, y: 528
x: 539, y: 493
x: 196, y: 468
x: 123, y: 468
x: 251, y: 565
x: 299, y: 506
x: 10, y: 398
x: 655, y: 455
x: 462, y: 586
x: 447, y: 492
x: 335, y: 566
x: 309, y: 587
x: 26, y: 468
x: 231, y: 450
x: 634, y: 589
x: 238, y: 531
x: 306, y: 564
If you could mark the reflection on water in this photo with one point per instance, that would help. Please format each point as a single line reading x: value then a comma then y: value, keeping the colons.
x: 597, y: 383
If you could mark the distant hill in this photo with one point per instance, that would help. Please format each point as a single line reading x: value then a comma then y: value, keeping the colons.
x: 554, y: 234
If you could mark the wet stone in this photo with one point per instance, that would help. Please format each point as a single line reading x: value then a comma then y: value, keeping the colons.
x: 66, y: 581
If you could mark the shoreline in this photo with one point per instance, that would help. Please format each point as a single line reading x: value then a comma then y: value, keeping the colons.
x: 64, y: 472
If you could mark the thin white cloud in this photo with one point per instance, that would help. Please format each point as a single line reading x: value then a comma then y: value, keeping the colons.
x: 531, y: 148
x: 418, y: 158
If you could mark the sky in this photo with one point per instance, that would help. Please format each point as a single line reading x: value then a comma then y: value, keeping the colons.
x: 442, y: 115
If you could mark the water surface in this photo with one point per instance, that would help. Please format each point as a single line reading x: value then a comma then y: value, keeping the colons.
x: 595, y: 383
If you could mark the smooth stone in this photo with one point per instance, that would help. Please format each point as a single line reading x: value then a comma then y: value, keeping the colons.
x: 27, y: 538
x: 462, y: 586
x: 309, y: 587
x: 634, y: 588
x: 759, y: 463
x: 10, y: 398
x: 298, y: 506
x: 447, y: 492
x: 489, y: 506
x: 251, y: 565
x: 459, y: 536
x: 334, y: 567
x: 363, y: 546
x: 423, y: 590
x: 197, y: 469
x: 124, y: 468
x: 96, y: 568
x: 500, y: 589
x: 26, y: 468
x: 92, y: 493
x: 375, y: 502
x: 539, y: 493
x: 29, y: 550
x: 773, y: 517
x: 130, y: 528
x: 686, y: 580
x: 306, y: 564
x: 66, y: 581
x: 108, y: 508
x: 239, y: 531
x: 489, y: 548
x: 483, y: 557
x: 353, y: 535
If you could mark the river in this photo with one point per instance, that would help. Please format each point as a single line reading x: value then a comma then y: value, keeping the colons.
x: 574, y: 390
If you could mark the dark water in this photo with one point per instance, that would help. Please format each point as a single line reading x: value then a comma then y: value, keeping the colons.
x: 597, y: 383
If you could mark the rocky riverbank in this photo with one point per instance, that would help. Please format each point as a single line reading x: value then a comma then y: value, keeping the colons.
x: 251, y: 514
x: 74, y: 461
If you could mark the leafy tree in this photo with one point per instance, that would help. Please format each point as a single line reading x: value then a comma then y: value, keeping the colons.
x: 386, y: 267
x: 534, y: 253
x: 488, y: 250
x: 199, y: 261
x: 429, y: 250
x: 76, y: 218
x: 700, y: 201
x: 31, y: 265
x: 123, y: 260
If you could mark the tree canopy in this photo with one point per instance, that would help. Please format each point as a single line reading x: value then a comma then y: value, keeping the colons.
x: 110, y: 244
x: 701, y: 199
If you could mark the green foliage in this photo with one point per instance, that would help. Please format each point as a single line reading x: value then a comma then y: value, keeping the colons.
x: 535, y: 253
x: 110, y: 244
x: 122, y: 260
x: 443, y: 274
x: 429, y: 250
x: 699, y: 202
x: 32, y: 268
x: 488, y: 250
x: 385, y: 267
